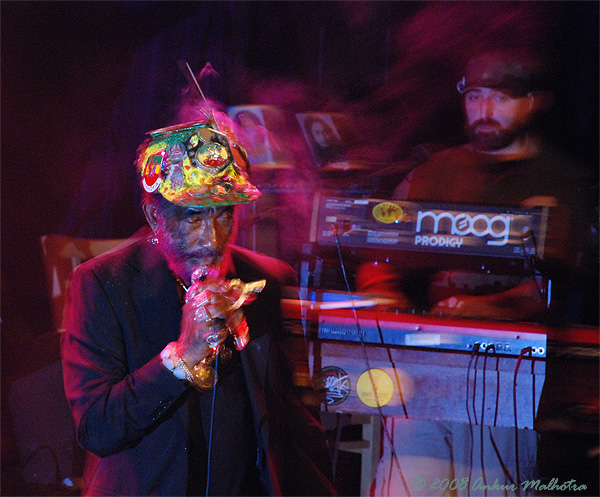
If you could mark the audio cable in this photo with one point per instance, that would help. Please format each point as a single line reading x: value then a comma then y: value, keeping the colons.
x: 492, y: 347
x: 366, y: 359
x: 474, y: 352
x: 526, y: 350
x: 210, y: 433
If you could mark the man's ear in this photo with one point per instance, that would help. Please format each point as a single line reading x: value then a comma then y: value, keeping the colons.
x: 151, y: 213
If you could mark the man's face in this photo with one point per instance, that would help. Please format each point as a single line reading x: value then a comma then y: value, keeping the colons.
x: 192, y: 237
x: 495, y: 118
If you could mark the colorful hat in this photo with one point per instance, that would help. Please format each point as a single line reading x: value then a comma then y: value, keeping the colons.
x: 195, y: 165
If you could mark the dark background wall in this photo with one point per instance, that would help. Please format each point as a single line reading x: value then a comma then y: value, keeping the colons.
x: 82, y: 82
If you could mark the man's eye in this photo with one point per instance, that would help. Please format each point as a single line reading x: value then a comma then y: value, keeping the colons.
x: 193, y: 217
x: 225, y: 218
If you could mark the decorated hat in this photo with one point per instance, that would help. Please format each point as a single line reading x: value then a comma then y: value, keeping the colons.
x: 515, y: 70
x: 196, y: 165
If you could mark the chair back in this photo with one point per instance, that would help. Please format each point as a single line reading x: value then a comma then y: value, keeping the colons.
x: 61, y: 255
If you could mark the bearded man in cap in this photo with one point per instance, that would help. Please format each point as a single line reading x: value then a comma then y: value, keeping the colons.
x: 172, y: 357
x: 505, y: 163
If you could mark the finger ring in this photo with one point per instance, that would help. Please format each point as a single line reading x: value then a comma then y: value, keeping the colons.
x: 212, y: 340
x: 202, y: 314
x: 201, y: 297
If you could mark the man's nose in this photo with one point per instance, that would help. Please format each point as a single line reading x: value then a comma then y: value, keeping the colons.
x: 487, y: 107
x: 214, y: 236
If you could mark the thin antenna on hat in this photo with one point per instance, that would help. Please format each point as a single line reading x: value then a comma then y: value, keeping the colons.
x: 209, y: 113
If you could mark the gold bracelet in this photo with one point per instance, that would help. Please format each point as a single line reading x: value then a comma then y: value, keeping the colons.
x: 180, y: 364
x: 202, y: 375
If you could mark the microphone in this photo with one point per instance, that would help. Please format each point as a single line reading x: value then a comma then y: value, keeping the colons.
x: 235, y: 292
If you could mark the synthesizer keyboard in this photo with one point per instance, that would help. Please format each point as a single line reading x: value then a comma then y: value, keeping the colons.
x: 335, y: 320
x: 394, y: 225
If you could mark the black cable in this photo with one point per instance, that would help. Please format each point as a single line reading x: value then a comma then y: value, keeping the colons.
x: 481, y: 452
x: 526, y: 350
x: 473, y: 354
x: 532, y: 391
x: 505, y: 470
x: 54, y: 457
x: 212, y: 418
x: 528, y: 241
x: 391, y: 468
x: 392, y: 362
x: 335, y: 451
x: 487, y: 349
x: 366, y: 359
x: 475, y: 388
x: 497, y: 389
x: 498, y: 455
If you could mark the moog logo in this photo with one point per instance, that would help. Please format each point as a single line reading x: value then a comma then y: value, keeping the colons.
x: 460, y: 225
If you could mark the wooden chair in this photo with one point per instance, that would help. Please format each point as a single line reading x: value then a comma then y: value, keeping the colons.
x: 61, y: 255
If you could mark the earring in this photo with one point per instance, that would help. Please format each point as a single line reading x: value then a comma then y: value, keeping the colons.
x: 153, y: 240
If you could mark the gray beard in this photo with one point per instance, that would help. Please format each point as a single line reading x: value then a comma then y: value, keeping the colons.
x: 181, y: 262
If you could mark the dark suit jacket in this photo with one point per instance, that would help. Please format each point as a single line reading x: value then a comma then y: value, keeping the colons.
x: 130, y: 412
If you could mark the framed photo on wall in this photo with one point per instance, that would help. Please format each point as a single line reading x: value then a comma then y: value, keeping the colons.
x: 323, y: 139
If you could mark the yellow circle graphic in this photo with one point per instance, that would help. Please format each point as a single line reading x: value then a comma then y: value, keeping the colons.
x: 384, y: 386
x: 388, y: 212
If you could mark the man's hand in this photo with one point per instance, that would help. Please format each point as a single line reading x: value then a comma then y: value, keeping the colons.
x: 465, y: 306
x: 203, y: 322
x: 212, y: 310
x: 521, y: 302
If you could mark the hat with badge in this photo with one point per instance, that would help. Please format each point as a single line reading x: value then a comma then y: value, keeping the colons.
x: 196, y: 164
x: 515, y: 70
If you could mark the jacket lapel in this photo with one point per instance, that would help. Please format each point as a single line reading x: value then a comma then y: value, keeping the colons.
x: 156, y: 301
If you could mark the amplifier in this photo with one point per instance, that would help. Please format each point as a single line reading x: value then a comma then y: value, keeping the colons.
x: 377, y: 362
x: 416, y: 366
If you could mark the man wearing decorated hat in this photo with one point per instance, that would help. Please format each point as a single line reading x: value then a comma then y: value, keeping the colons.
x: 173, y: 359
